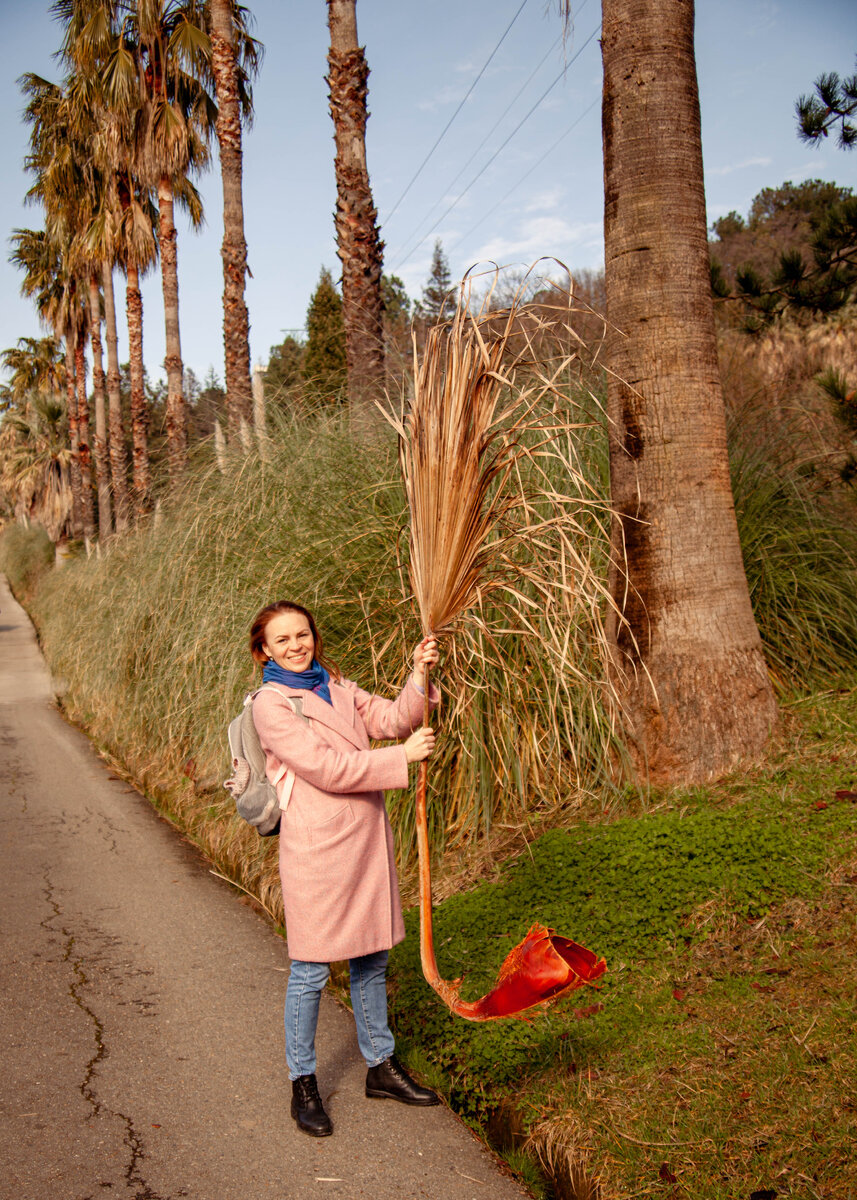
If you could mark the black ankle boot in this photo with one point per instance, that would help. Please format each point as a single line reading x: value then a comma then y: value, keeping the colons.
x: 307, y: 1108
x: 390, y: 1081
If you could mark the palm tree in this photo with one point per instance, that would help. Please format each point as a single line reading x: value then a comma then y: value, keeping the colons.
x: 235, y: 57
x: 687, y: 657
x: 35, y: 458
x: 154, y: 76
x: 155, y: 120
x: 68, y: 185
x: 47, y: 280
x: 358, y: 242
x: 138, y: 251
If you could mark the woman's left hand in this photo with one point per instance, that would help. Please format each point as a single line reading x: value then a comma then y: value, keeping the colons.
x: 425, y: 655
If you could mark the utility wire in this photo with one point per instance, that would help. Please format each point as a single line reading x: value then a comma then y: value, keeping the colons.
x: 500, y: 148
x: 504, y: 114
x: 445, y: 130
x: 534, y: 167
x: 484, y: 141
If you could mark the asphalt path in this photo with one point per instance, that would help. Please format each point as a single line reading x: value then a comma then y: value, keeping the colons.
x: 141, y: 1036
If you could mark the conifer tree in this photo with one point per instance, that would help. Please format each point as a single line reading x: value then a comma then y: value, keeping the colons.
x: 284, y: 366
x: 834, y: 102
x: 435, y: 303
x: 323, y: 365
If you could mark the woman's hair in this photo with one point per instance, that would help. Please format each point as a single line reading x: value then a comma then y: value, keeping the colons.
x: 260, y: 624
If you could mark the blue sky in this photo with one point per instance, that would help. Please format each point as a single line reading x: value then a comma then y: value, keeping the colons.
x: 541, y: 195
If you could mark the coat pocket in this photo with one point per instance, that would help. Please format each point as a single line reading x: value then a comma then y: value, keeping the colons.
x: 333, y: 828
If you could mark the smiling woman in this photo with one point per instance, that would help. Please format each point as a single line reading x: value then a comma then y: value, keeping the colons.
x: 337, y: 866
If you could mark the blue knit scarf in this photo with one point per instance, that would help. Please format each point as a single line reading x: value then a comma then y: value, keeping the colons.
x: 314, y: 679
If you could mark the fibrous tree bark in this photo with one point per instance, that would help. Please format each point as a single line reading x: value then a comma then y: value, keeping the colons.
x: 687, y: 657
x: 102, y: 465
x: 74, y: 440
x: 84, y: 455
x: 118, y: 458
x: 176, y: 410
x: 236, y: 323
x: 358, y: 241
x: 141, y: 477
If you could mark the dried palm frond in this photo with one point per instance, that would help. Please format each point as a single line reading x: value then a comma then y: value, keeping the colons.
x: 482, y: 416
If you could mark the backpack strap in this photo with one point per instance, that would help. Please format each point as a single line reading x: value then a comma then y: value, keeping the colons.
x: 285, y: 773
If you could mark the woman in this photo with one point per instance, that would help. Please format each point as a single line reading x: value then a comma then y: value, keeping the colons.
x: 337, y: 865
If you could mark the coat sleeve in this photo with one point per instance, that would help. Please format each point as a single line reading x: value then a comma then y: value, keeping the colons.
x: 397, y: 718
x: 285, y: 736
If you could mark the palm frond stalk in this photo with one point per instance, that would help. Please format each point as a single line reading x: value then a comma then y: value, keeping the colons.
x: 477, y: 412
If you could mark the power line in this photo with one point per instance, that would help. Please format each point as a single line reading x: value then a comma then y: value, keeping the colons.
x: 455, y: 114
x: 526, y: 176
x: 500, y: 148
x: 498, y: 122
x: 504, y: 113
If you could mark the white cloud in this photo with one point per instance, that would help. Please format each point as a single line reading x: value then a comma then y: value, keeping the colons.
x: 730, y: 167
x: 451, y: 94
x: 544, y: 201
x: 546, y: 235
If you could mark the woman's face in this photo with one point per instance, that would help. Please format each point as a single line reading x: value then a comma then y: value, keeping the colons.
x: 289, y: 641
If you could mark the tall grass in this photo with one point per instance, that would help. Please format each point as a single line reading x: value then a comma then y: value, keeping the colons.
x: 799, y: 542
x: 152, y: 637
x: 153, y: 641
x: 26, y: 553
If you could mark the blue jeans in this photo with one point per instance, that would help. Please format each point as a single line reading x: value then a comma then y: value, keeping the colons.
x: 368, y: 998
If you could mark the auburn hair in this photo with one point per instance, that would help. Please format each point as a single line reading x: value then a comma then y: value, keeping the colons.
x: 267, y: 614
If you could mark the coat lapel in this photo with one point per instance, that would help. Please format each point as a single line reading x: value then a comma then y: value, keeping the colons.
x: 339, y: 717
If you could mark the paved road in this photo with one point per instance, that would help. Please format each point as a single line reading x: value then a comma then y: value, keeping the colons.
x: 140, y: 1028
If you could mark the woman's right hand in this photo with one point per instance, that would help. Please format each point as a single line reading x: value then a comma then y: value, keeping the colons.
x: 420, y: 744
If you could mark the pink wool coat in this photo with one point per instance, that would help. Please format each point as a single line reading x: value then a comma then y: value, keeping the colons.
x: 337, y: 866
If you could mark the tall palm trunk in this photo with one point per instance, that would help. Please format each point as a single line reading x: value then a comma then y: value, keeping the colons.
x: 688, y: 660
x: 102, y: 465
x: 141, y: 485
x: 236, y: 324
x: 83, y: 452
x: 118, y: 458
x: 176, y: 407
x: 358, y: 242
x: 74, y: 440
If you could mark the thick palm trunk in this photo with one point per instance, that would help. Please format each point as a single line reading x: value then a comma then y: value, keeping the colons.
x: 176, y: 407
x: 358, y: 242
x: 83, y: 453
x: 116, y: 440
x: 688, y: 660
x: 141, y: 479
x: 74, y: 440
x: 102, y: 466
x: 236, y: 324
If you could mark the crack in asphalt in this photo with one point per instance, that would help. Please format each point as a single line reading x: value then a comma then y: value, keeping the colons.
x: 134, y: 1178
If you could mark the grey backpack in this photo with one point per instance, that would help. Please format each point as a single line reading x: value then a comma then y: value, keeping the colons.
x: 254, y: 794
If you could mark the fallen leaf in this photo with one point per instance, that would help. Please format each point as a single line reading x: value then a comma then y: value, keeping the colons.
x: 744, y: 1095
x: 666, y: 1174
x: 588, y: 1012
x: 762, y: 987
x: 819, y: 805
x: 678, y: 994
x: 845, y: 794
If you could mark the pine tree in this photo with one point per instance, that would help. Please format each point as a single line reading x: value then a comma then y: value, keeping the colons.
x: 436, y: 302
x: 323, y: 365
x: 834, y: 102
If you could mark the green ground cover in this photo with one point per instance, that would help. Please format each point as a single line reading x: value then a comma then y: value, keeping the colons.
x: 718, y: 1057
